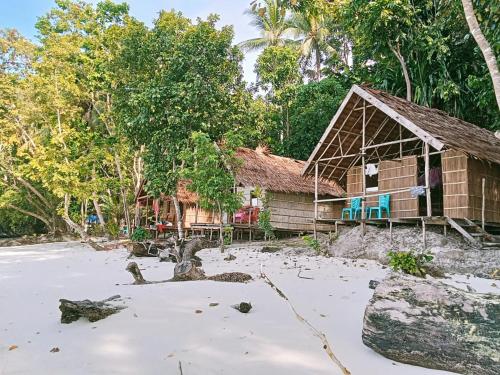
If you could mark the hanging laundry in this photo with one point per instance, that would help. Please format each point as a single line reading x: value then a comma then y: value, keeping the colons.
x: 435, y: 178
x: 416, y: 191
x: 371, y: 169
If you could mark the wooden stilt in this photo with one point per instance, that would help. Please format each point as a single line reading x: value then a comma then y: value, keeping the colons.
x: 445, y: 230
x: 315, y: 198
x: 427, y: 182
x: 483, y: 202
x: 424, y: 237
x: 390, y: 229
x: 363, y: 171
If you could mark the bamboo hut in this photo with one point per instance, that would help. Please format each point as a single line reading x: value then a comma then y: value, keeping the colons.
x: 432, y: 165
x: 264, y: 181
x: 287, y: 194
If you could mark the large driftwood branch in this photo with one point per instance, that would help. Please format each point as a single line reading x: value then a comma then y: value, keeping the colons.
x: 315, y: 331
x: 92, y: 310
x: 133, y: 268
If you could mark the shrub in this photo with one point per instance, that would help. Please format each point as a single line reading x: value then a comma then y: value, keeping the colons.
x: 312, y: 243
x: 265, y: 223
x: 228, y: 234
x: 409, y: 262
x: 140, y: 235
x: 112, y: 229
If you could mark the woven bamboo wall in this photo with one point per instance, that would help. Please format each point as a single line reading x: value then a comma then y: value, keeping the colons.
x: 354, y: 186
x: 296, y: 212
x: 204, y: 217
x: 476, y: 171
x: 395, y: 175
x: 455, y: 184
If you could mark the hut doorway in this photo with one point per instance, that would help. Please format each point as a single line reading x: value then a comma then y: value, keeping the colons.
x: 436, y: 185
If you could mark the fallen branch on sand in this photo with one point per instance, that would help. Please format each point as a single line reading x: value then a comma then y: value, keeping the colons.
x: 92, y: 310
x: 303, y: 277
x: 317, y: 333
x: 234, y: 277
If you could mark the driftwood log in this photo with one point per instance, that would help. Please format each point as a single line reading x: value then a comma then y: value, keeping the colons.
x: 133, y: 268
x: 427, y: 323
x: 92, y: 310
x: 187, y: 267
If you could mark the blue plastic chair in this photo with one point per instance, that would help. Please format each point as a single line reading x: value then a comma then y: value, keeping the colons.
x: 353, y: 210
x: 383, y: 204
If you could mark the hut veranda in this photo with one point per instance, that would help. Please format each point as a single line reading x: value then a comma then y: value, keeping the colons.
x: 433, y: 167
x: 266, y: 181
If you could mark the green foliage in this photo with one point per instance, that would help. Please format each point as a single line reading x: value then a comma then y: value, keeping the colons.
x: 312, y: 243
x: 310, y: 113
x: 173, y: 80
x: 228, y: 233
x: 140, y: 235
x: 209, y: 167
x: 446, y: 68
x: 112, y: 229
x: 278, y: 71
x: 409, y: 262
x: 264, y: 223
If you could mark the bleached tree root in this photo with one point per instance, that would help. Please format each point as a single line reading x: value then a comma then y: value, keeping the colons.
x: 315, y: 331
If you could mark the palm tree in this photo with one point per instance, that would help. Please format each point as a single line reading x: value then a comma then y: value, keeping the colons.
x: 484, y: 46
x: 272, y: 23
x: 312, y: 33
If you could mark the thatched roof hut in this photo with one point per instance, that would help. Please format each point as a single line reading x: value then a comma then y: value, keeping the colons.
x: 455, y: 164
x: 279, y: 174
x: 391, y: 118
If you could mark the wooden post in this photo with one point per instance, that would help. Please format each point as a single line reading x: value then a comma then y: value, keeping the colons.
x: 250, y: 225
x: 483, y: 202
x: 424, y: 234
x: 315, y: 198
x: 196, y: 213
x: 390, y: 229
x: 427, y: 182
x: 363, y: 171
x: 400, y: 143
x: 445, y: 230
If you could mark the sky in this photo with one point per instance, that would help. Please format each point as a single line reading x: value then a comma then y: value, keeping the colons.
x: 22, y: 15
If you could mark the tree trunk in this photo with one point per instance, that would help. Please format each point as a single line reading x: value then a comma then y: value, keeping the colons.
x: 33, y: 214
x: 137, y: 167
x: 98, y: 211
x: 318, y: 64
x: 74, y: 226
x: 396, y: 50
x: 221, y: 230
x: 484, y: 46
x: 178, y: 214
x: 123, y: 192
x: 428, y: 323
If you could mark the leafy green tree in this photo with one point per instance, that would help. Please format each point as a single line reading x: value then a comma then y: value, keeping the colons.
x: 430, y: 44
x: 278, y: 73
x: 310, y: 113
x: 175, y: 79
x: 209, y: 168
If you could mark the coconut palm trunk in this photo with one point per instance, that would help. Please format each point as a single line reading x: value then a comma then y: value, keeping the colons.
x: 484, y: 46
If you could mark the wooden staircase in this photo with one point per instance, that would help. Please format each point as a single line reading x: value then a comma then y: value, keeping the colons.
x: 474, y: 234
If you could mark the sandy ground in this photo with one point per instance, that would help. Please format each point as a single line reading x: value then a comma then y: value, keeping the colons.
x: 159, y: 327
